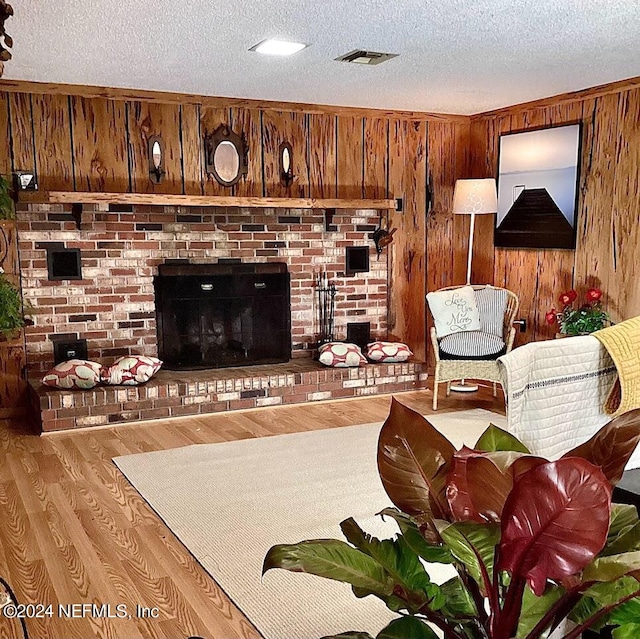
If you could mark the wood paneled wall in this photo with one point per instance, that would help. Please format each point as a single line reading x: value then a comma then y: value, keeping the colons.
x: 607, y: 254
x: 89, y: 140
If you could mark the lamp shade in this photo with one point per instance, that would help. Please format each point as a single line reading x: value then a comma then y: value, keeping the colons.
x: 475, y: 197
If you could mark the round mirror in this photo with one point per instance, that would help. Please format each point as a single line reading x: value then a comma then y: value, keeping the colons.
x: 156, y: 154
x: 226, y: 161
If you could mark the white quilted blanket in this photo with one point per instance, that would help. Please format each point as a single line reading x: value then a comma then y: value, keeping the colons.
x: 556, y: 391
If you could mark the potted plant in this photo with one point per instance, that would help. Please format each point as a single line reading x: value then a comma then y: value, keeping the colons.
x: 11, y: 308
x: 534, y: 542
x: 581, y: 319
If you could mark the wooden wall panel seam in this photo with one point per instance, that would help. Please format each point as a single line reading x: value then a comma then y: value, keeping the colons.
x: 73, y: 157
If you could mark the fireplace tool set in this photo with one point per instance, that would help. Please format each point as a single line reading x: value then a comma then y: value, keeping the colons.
x: 326, y: 306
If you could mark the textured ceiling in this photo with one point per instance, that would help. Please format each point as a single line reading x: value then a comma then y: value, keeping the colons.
x: 456, y: 56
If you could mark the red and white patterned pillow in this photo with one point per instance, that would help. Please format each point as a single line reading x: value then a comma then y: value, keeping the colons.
x: 341, y: 355
x: 388, y: 352
x: 132, y: 370
x: 75, y: 373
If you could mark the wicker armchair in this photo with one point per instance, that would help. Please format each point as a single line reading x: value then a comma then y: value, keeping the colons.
x: 450, y: 368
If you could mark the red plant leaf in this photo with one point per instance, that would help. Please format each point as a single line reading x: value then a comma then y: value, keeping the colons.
x: 480, y: 482
x: 413, y: 460
x: 611, y: 447
x: 555, y: 521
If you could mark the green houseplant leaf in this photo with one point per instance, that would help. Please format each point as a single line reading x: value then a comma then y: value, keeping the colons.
x: 399, y: 561
x: 407, y: 628
x: 432, y: 553
x: 413, y: 459
x: 11, y: 310
x: 555, y: 521
x: 612, y: 567
x: 332, y: 559
x: 474, y: 546
x: 612, y: 446
x: 494, y: 439
x: 534, y: 608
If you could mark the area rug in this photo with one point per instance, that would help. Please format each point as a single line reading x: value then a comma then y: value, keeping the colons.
x: 229, y: 503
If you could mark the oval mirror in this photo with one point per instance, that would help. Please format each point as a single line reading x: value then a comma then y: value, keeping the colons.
x: 226, y: 161
x: 225, y: 155
x: 156, y: 154
x: 286, y: 160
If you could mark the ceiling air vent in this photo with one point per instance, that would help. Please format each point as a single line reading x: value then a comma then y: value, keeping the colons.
x: 366, y: 57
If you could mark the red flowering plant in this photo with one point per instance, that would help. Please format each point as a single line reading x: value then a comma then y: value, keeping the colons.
x: 578, y: 320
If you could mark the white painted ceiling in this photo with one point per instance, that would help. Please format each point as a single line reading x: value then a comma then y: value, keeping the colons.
x: 456, y: 56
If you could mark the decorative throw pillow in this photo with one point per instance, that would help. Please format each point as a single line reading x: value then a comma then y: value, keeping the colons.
x: 388, y: 352
x: 75, y: 373
x: 454, y: 311
x: 492, y: 305
x: 132, y: 370
x: 341, y: 355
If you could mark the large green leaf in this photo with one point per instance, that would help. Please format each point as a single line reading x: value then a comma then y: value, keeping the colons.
x: 628, y: 631
x: 413, y: 459
x: 623, y: 516
x: 534, y: 608
x: 494, y: 439
x: 584, y: 609
x: 392, y: 602
x: 612, y: 567
x: 332, y: 559
x: 555, y: 521
x: 624, y: 530
x: 399, y: 561
x: 431, y: 553
x: 628, y: 612
x: 458, y: 601
x: 407, y: 628
x: 473, y: 545
x: 612, y: 446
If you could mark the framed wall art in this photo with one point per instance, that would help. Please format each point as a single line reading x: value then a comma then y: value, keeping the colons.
x: 538, y: 173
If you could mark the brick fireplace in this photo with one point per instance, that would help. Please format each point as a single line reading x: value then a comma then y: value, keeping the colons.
x: 121, y: 247
x: 113, y: 305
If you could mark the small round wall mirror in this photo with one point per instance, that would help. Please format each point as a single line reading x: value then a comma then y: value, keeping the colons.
x: 225, y: 156
x: 156, y: 159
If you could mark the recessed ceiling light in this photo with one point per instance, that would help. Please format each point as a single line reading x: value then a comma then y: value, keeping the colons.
x: 278, y: 47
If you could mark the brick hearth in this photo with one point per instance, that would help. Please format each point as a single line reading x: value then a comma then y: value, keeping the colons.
x: 173, y: 394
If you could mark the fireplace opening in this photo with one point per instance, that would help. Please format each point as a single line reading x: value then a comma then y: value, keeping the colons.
x: 220, y: 315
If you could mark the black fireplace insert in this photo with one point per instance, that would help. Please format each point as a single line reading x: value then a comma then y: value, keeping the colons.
x: 220, y: 315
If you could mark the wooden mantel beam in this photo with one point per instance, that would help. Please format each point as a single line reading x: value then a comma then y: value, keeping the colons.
x: 73, y: 197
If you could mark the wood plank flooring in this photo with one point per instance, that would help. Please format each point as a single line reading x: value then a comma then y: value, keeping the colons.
x: 74, y: 531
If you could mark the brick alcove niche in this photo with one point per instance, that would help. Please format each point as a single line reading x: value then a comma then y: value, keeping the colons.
x: 113, y: 305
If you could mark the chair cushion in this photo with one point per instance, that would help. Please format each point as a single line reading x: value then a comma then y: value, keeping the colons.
x: 454, y: 311
x: 471, y: 345
x: 492, y: 305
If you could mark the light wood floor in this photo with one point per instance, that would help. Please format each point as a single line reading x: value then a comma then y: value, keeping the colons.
x: 72, y: 529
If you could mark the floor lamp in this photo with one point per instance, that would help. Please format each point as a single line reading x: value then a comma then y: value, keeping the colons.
x: 473, y: 197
